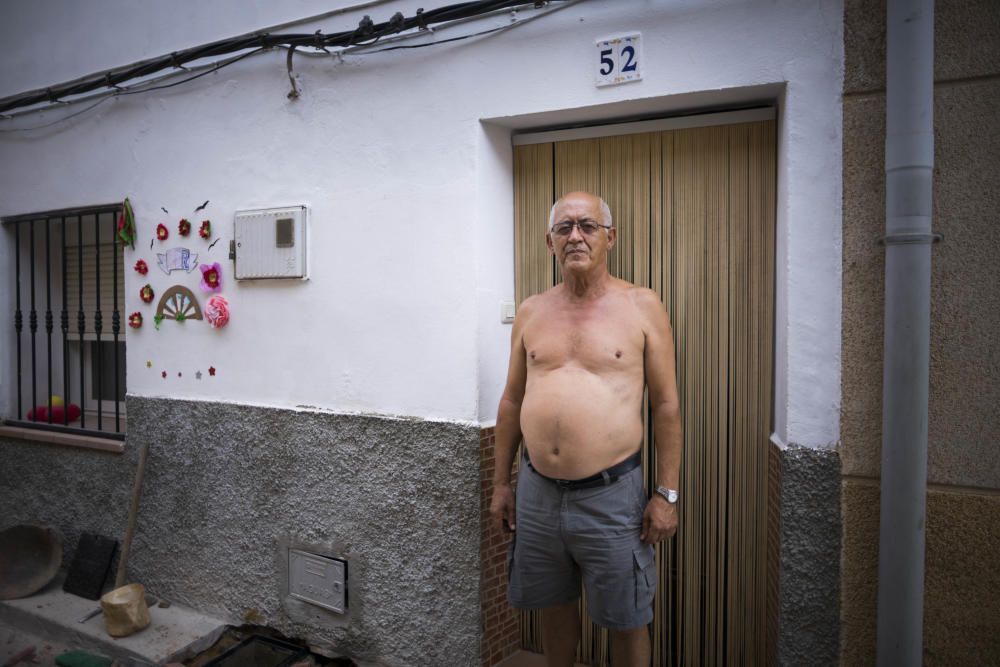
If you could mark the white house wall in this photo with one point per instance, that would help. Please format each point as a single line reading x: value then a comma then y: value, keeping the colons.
x: 409, y: 190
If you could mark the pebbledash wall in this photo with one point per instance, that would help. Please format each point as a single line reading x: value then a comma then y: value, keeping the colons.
x: 352, y: 411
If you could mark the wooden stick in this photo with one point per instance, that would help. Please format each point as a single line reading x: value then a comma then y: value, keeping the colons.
x: 133, y: 512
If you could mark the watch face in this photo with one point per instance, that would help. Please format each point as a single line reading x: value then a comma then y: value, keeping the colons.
x: 670, y: 495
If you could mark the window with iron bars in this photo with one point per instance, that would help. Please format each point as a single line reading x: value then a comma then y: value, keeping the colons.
x: 69, y: 333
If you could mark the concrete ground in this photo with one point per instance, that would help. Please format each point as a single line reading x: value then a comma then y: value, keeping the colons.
x: 16, y: 642
x: 50, y: 621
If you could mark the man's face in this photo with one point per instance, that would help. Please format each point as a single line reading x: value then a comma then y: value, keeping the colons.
x: 579, y: 250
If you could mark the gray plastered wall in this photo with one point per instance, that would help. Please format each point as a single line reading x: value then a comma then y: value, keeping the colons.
x: 228, y: 487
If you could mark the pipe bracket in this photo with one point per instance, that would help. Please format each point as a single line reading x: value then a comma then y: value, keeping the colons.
x: 909, y: 239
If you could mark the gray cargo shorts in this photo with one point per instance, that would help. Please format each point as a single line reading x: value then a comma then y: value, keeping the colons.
x: 564, y: 536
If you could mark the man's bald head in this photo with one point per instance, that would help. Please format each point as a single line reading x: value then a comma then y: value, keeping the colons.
x: 605, y: 211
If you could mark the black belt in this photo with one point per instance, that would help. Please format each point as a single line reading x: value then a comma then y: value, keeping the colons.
x: 603, y: 478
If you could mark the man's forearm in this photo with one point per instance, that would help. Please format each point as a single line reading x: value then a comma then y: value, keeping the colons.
x: 507, y: 435
x: 669, y: 438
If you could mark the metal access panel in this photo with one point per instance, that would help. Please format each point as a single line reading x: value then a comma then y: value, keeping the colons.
x: 271, y: 243
x: 318, y: 580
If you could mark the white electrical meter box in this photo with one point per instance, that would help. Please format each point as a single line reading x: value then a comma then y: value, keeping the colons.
x: 270, y: 243
x: 318, y: 580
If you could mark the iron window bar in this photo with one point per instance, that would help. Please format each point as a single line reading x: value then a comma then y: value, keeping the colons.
x: 63, y: 218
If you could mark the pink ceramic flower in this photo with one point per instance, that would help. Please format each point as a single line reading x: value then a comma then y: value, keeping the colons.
x: 217, y: 312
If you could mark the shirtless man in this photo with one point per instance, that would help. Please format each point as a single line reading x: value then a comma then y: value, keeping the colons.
x: 581, y: 354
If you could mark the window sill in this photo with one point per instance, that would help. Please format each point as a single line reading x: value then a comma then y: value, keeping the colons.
x: 65, y: 439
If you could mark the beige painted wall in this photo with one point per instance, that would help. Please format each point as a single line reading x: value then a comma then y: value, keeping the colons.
x: 961, y: 605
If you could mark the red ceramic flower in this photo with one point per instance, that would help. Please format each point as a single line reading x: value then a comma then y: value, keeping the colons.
x: 206, y: 229
x: 135, y: 320
x: 146, y: 293
x: 211, y: 371
x: 141, y: 267
x: 162, y: 232
x: 184, y: 227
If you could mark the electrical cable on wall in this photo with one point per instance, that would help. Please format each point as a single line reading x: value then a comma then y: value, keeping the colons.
x: 354, y: 41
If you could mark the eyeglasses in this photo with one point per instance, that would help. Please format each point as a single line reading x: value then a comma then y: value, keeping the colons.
x: 587, y: 227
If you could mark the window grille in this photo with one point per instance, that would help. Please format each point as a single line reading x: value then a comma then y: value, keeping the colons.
x: 69, y: 295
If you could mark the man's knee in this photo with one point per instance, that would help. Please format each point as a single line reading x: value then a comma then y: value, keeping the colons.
x: 562, y: 613
x: 631, y: 634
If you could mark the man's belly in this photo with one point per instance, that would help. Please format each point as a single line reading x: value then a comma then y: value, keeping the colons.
x: 576, y: 423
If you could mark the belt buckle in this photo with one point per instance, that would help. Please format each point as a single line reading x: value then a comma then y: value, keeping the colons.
x: 563, y: 483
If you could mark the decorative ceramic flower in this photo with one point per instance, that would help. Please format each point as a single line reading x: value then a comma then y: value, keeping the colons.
x: 211, y: 371
x: 211, y: 277
x: 135, y: 320
x: 217, y: 312
x: 162, y: 232
x: 146, y: 293
x: 206, y: 229
x: 184, y: 227
x: 141, y: 267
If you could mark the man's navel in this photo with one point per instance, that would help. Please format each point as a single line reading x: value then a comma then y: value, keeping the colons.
x: 555, y: 448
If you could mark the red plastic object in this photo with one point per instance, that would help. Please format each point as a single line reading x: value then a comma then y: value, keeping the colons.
x: 59, y: 414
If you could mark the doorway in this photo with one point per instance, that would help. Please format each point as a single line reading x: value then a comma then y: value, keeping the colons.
x: 693, y: 200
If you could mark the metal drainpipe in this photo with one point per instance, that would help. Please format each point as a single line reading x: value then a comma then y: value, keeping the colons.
x: 909, y: 165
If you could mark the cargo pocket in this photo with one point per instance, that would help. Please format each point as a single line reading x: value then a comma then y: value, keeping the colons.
x: 645, y: 576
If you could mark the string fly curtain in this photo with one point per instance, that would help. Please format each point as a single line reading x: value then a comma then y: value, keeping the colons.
x: 694, y: 209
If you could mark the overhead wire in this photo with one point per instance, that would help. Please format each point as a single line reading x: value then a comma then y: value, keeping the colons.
x: 357, y: 49
x: 366, y: 29
x: 138, y: 89
x: 440, y: 41
x: 361, y: 50
x: 213, y: 68
x: 103, y: 98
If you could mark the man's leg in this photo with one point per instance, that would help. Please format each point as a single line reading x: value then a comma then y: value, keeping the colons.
x: 630, y: 648
x: 561, y: 634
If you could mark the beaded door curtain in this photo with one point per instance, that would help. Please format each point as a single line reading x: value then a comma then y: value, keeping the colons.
x: 695, y: 213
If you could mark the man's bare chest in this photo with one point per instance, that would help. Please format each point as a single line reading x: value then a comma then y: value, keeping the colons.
x: 598, y: 340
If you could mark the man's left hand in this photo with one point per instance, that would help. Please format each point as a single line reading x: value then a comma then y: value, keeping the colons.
x: 659, y: 521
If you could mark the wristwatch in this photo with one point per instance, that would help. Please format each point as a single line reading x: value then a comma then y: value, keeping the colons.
x: 670, y: 495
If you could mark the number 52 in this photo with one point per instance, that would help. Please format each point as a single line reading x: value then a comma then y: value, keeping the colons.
x: 618, y: 60
x: 608, y: 64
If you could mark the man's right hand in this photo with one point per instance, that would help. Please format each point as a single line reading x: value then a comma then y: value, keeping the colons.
x: 502, y: 508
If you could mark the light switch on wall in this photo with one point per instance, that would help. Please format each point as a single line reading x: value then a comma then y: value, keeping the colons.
x: 507, y: 311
